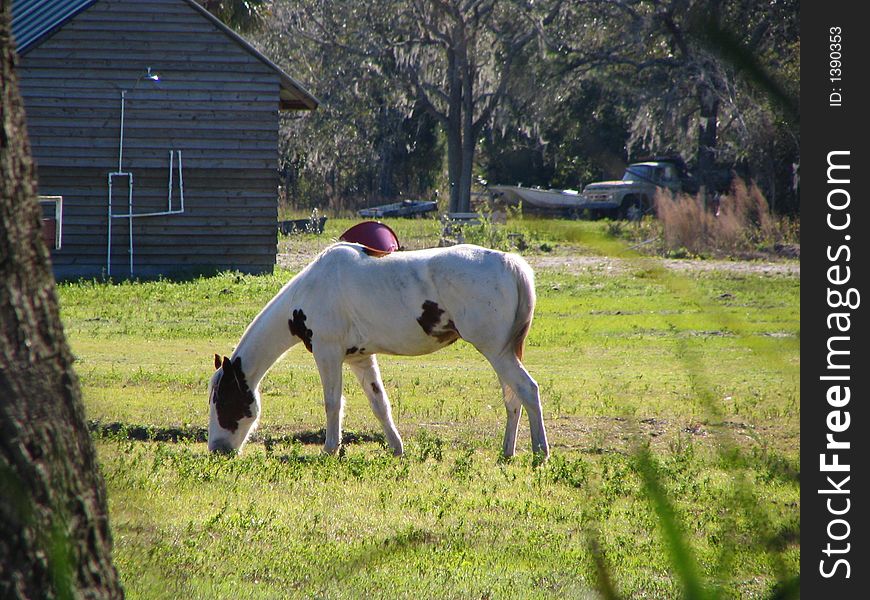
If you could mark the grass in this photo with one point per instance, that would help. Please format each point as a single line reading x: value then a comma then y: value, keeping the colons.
x: 672, y: 405
x: 454, y: 523
x: 538, y: 235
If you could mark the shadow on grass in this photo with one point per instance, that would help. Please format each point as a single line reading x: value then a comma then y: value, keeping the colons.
x: 194, y: 434
x: 369, y: 556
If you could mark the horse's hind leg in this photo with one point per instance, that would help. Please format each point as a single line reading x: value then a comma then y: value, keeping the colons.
x: 514, y: 408
x: 329, y: 365
x: 369, y: 376
x: 513, y: 374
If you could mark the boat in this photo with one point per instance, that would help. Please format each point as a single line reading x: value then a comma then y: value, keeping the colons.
x: 566, y: 202
x: 405, y: 208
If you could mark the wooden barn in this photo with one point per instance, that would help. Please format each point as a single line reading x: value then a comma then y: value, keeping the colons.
x: 157, y: 125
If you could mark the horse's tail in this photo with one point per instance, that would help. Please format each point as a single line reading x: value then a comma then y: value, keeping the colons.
x: 525, y: 280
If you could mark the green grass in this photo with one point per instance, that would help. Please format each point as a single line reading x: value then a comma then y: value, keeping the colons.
x: 540, y: 235
x: 453, y: 524
x: 672, y: 405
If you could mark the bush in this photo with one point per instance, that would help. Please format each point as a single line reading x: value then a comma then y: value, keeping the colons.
x: 739, y: 222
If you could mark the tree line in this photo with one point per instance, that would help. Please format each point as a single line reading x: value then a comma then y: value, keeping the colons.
x: 425, y: 98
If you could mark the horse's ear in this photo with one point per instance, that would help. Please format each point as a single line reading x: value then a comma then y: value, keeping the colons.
x: 217, y: 362
x: 234, y: 368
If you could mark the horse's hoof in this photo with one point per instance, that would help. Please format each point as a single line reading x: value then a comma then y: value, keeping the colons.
x: 333, y: 450
x: 539, y: 458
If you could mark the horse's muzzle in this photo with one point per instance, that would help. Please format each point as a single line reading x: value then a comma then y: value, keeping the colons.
x: 221, y: 447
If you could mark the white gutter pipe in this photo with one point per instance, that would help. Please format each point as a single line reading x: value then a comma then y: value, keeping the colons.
x: 130, y: 215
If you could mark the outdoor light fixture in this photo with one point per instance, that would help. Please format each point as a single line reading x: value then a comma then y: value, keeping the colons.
x: 151, y: 76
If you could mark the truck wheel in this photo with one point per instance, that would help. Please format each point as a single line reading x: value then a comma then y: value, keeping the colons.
x: 631, y: 209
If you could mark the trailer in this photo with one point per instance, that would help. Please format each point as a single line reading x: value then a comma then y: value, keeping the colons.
x: 405, y: 208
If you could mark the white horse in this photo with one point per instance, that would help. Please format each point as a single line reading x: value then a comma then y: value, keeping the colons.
x: 347, y: 306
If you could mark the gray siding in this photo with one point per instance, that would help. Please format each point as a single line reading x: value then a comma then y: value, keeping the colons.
x: 215, y: 102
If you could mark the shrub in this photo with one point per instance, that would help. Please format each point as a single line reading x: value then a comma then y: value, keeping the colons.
x: 739, y: 222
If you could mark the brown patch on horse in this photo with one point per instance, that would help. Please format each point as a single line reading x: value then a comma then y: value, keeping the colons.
x: 298, y: 328
x: 375, y: 388
x: 431, y: 318
x: 232, y: 396
x: 448, y: 334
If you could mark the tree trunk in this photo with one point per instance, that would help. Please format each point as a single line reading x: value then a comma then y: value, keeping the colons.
x: 454, y: 163
x: 707, y: 132
x: 454, y: 132
x: 468, y: 142
x: 459, y: 162
x: 466, y: 173
x: 54, y: 531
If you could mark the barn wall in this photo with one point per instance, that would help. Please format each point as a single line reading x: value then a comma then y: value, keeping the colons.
x: 215, y: 102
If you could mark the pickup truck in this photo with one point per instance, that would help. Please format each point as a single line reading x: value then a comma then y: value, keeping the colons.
x: 632, y: 196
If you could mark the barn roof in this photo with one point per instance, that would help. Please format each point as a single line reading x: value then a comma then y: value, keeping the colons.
x: 34, y: 21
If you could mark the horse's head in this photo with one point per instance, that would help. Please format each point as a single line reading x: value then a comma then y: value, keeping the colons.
x: 233, y: 406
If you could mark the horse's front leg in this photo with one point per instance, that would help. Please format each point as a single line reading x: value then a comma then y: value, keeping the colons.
x: 329, y: 361
x: 369, y: 376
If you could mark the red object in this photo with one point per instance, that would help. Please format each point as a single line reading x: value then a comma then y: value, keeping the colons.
x: 377, y: 238
x: 49, y: 233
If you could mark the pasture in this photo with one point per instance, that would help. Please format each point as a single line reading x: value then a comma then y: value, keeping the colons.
x: 671, y: 399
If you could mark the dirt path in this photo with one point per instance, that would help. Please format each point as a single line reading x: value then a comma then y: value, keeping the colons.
x: 585, y: 263
x: 578, y: 263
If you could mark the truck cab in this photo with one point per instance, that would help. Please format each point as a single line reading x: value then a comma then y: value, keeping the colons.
x: 632, y: 196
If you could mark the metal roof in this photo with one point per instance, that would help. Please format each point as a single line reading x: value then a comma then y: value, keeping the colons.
x: 34, y: 20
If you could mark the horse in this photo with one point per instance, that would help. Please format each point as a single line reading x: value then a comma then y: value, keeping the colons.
x: 348, y: 306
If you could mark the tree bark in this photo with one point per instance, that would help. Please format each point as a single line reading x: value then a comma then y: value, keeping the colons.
x: 460, y: 158
x: 54, y: 531
x: 454, y: 128
x: 468, y: 142
x: 707, y: 138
